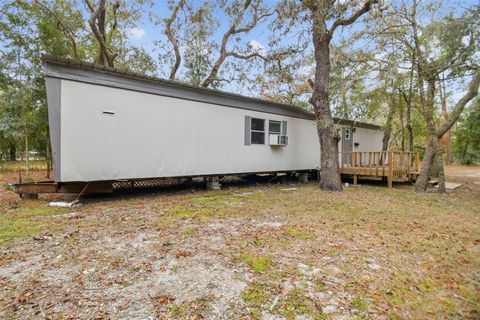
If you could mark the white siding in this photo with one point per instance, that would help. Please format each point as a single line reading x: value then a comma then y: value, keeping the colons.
x: 368, y: 139
x: 155, y: 136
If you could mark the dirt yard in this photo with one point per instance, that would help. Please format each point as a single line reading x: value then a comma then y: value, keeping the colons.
x: 286, y: 251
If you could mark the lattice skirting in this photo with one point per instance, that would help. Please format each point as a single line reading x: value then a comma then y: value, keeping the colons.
x: 167, y: 182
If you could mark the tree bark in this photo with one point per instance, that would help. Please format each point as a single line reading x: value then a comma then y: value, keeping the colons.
x: 427, y: 100
x: 409, y: 107
x: 402, y: 128
x: 427, y: 71
x: 13, y: 152
x: 424, y: 175
x: 97, y: 23
x: 446, y: 138
x: 173, y: 40
x: 327, y: 133
x: 409, y: 128
x: 328, y: 136
x: 388, y: 125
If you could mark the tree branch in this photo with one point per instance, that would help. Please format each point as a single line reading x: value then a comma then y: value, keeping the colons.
x: 61, y: 26
x: 173, y: 40
x: 97, y: 24
x: 460, y: 105
x: 116, y: 6
x: 348, y: 21
x: 246, y: 56
x: 232, y: 30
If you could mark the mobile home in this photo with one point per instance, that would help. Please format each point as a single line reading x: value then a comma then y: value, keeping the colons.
x: 107, y: 124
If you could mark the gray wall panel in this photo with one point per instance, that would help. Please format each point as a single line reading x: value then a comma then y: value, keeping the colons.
x: 165, y: 88
x: 54, y: 96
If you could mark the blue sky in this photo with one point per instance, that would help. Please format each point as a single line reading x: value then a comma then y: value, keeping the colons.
x: 149, y: 32
x: 145, y: 33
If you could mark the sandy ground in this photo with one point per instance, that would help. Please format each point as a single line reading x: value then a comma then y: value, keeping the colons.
x: 246, y: 252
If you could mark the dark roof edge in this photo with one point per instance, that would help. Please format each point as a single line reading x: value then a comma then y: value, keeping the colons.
x: 353, y: 123
x: 48, y: 59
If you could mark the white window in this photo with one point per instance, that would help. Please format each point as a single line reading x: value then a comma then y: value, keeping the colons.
x: 257, y: 131
x: 347, y: 134
x: 274, y: 127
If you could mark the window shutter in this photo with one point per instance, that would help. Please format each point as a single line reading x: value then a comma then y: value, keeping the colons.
x: 248, y: 124
x: 284, y: 128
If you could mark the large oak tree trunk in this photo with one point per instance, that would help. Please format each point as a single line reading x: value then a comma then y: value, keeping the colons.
x: 327, y: 134
x: 432, y: 161
x: 424, y: 175
x: 433, y: 152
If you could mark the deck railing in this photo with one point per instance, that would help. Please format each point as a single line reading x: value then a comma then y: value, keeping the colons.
x: 390, y: 164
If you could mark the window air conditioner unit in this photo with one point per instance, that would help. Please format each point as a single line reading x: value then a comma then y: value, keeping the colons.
x: 277, y: 140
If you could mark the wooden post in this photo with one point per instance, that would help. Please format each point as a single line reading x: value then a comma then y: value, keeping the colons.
x: 390, y: 170
x: 355, y: 179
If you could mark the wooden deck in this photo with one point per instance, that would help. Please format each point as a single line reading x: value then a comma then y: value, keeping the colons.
x: 394, y: 165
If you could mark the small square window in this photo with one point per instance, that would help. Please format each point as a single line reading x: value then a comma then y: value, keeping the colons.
x: 258, y: 124
x: 257, y: 132
x: 258, y: 137
x: 274, y: 127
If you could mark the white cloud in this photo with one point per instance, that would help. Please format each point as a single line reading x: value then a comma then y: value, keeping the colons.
x: 257, y: 47
x: 137, y: 33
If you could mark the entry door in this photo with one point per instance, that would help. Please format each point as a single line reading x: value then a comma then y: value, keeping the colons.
x: 347, y: 146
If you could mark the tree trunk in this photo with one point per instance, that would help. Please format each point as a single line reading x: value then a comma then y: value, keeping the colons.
x: 402, y: 129
x: 27, y: 157
x: 446, y: 136
x: 435, y: 169
x: 430, y: 157
x: 465, y: 149
x: 439, y: 167
x: 409, y: 107
x: 424, y: 175
x: 13, y: 152
x: 327, y: 134
x: 388, y: 126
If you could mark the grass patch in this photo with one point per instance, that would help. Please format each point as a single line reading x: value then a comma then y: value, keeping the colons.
x: 12, y: 166
x: 256, y: 295
x: 166, y: 222
x: 257, y: 263
x: 297, y: 303
x: 179, y: 311
x: 319, y: 285
x: 471, y: 295
x: 298, y: 233
x: 189, y: 230
x: 360, y: 304
x: 23, y: 223
x: 259, y: 296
